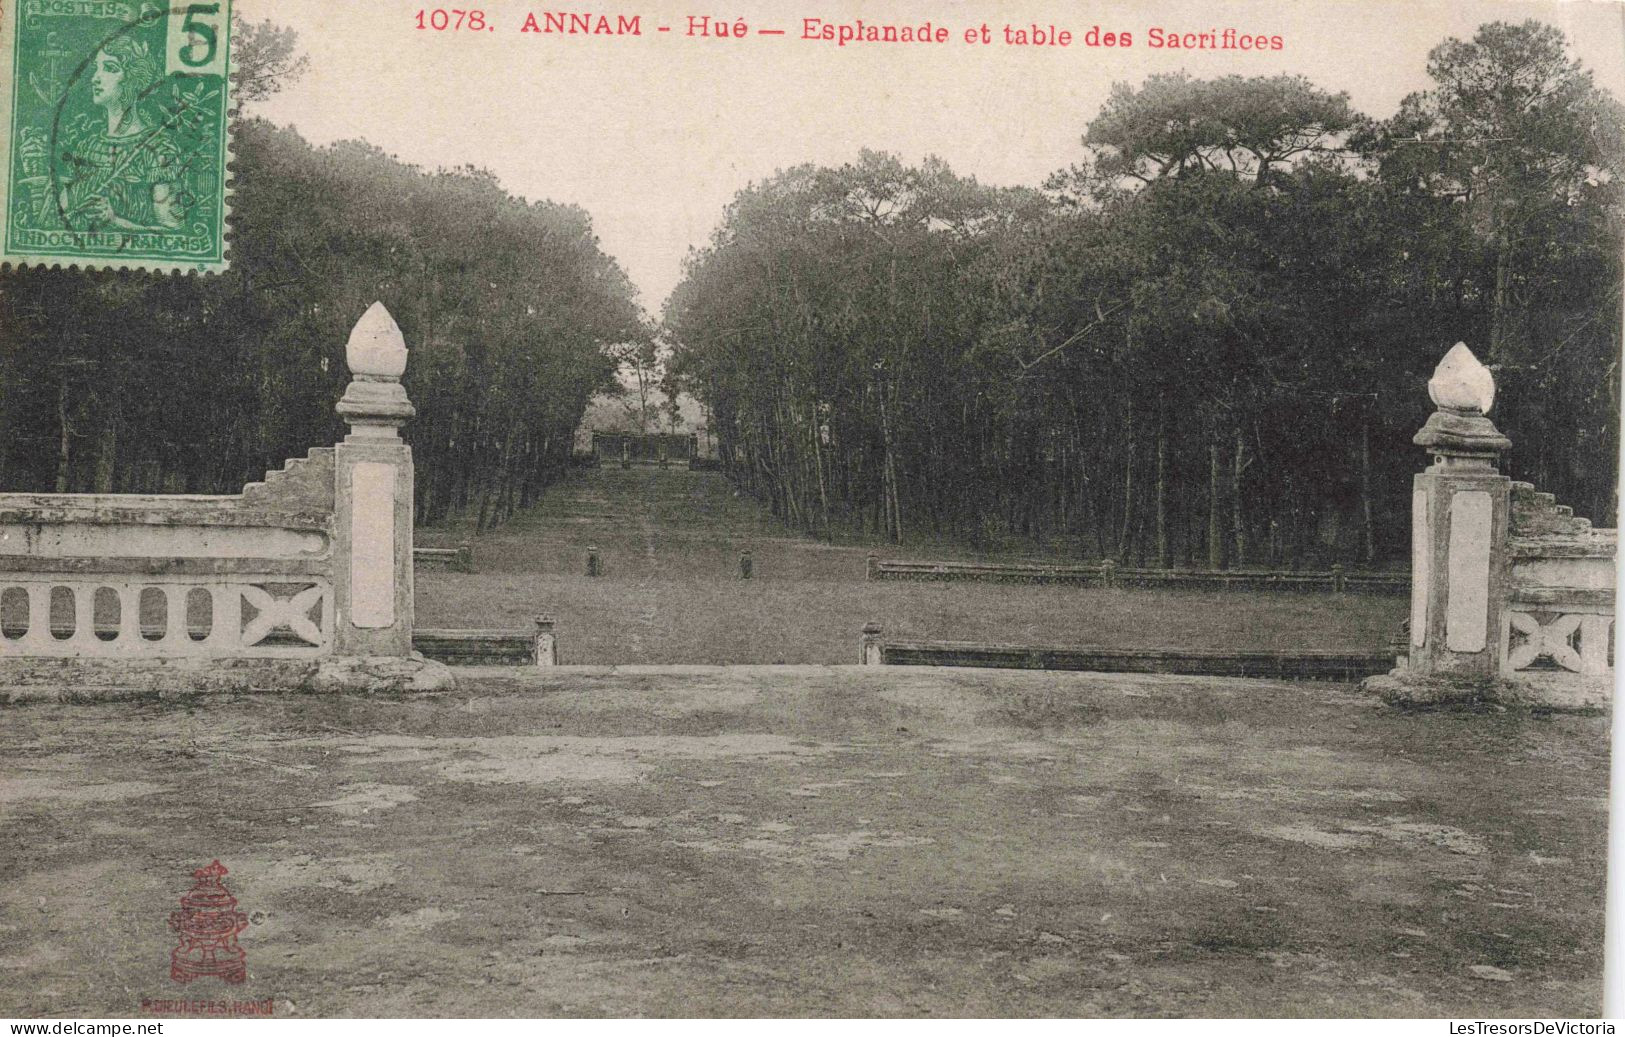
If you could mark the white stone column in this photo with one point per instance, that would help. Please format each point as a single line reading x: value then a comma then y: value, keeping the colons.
x: 1459, y: 514
x: 372, y: 541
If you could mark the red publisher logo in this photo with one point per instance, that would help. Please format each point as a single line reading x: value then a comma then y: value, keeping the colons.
x: 208, y: 922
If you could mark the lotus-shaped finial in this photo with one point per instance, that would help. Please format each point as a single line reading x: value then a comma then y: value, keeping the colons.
x: 1461, y: 383
x: 376, y: 348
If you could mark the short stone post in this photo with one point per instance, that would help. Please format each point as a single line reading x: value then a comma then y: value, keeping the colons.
x: 373, y: 497
x: 871, y: 566
x: 1459, y: 514
x: 594, y: 566
x: 744, y: 565
x: 869, y: 645
x: 547, y: 645
x: 1108, y: 574
x: 465, y: 557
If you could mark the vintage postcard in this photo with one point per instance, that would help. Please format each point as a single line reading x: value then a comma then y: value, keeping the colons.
x: 117, y: 145
x: 906, y: 509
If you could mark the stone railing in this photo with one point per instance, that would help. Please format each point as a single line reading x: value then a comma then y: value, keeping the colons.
x: 151, y: 577
x: 1560, y: 591
x: 301, y: 581
x: 1512, y: 596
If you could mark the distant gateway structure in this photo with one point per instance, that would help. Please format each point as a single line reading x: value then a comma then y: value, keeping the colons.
x: 646, y: 447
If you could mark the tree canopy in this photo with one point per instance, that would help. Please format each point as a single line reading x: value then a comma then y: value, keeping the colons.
x: 135, y: 382
x: 1204, y: 342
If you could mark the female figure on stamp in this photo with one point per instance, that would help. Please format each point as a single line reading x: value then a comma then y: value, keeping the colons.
x: 122, y: 172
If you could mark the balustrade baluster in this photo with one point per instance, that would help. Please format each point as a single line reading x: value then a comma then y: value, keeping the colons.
x: 39, y: 616
x: 84, y: 617
x: 129, y: 618
x: 226, y: 629
x: 177, y: 633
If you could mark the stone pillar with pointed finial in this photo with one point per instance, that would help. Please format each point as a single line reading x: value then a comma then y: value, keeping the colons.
x: 1459, y: 542
x: 373, y: 497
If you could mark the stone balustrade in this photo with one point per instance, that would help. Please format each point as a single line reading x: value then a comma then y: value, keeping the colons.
x: 1512, y: 596
x: 1560, y: 609
x: 118, y: 576
x: 302, y: 581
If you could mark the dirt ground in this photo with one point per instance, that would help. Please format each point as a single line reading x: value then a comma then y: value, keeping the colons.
x: 813, y: 842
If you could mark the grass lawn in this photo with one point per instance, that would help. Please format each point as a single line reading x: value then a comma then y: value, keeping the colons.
x: 814, y: 841
x: 670, y: 593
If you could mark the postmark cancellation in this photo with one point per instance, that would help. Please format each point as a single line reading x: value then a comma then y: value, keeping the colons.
x: 117, y: 143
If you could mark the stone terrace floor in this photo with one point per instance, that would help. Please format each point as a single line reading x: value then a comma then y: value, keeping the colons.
x: 813, y: 841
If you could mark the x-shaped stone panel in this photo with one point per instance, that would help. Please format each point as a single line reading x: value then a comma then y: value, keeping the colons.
x: 1552, y: 639
x: 293, y: 613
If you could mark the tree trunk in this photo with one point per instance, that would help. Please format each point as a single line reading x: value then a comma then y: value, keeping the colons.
x: 1215, y: 513
x: 1498, y: 314
x: 1367, y: 532
x: 1238, y: 513
x: 894, y: 511
x: 485, y: 508
x: 1125, y: 533
x: 1162, y: 484
x: 818, y: 463
x: 65, y: 437
x: 107, y: 450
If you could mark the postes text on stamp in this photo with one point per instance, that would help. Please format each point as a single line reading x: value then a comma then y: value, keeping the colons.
x: 116, y: 122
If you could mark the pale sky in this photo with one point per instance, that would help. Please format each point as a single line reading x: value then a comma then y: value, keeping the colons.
x: 653, y: 135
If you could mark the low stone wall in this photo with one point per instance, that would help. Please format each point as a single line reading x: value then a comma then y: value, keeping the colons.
x: 1346, y: 667
x: 120, y: 577
x: 457, y: 559
x: 538, y: 647
x: 1110, y: 575
x: 1558, y: 626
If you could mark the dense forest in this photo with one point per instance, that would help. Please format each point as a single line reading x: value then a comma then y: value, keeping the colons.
x: 130, y: 382
x: 1206, y: 342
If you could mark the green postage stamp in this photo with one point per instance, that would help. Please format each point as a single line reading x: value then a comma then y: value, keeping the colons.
x: 116, y: 116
